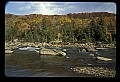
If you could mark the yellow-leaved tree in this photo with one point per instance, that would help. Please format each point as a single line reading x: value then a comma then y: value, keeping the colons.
x: 59, y: 36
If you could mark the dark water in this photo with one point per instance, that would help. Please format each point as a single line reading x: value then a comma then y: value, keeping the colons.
x: 28, y: 63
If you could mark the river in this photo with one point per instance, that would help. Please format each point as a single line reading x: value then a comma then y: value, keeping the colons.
x: 28, y: 63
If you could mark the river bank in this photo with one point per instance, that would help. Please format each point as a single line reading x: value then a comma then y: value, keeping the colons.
x: 90, y: 47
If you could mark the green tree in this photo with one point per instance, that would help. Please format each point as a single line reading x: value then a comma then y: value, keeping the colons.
x: 29, y: 36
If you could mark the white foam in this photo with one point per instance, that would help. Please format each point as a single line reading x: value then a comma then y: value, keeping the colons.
x: 28, y: 48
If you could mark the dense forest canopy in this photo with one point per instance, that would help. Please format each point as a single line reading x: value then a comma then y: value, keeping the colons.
x: 76, y: 27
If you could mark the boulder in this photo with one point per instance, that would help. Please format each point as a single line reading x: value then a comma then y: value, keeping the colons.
x: 64, y: 49
x: 8, y: 51
x: 15, y: 40
x: 100, y: 48
x: 83, y: 50
x: 95, y: 56
x: 7, y: 48
x: 104, y: 58
x: 44, y: 51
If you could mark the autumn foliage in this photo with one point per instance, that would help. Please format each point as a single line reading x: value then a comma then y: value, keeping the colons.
x: 76, y: 27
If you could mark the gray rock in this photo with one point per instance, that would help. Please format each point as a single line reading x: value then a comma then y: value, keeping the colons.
x: 52, y: 52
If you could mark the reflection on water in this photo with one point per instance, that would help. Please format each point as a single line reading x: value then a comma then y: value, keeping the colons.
x: 23, y: 63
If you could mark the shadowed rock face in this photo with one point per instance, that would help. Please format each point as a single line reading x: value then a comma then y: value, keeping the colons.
x: 52, y: 52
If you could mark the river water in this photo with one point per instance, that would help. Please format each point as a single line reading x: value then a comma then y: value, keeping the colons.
x: 26, y: 62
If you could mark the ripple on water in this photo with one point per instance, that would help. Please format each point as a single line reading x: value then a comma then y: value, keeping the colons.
x: 26, y: 63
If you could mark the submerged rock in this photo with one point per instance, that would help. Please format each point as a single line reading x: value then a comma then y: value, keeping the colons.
x: 67, y: 57
x: 91, y: 49
x: 95, y: 56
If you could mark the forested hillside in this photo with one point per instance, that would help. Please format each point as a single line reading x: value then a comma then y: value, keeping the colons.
x: 76, y: 27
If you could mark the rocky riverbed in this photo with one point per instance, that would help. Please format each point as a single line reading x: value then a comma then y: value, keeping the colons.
x: 79, y: 68
x: 95, y: 71
x: 89, y: 47
x: 27, y: 63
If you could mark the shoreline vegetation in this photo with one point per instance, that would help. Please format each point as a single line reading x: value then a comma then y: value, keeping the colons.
x: 70, y: 28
